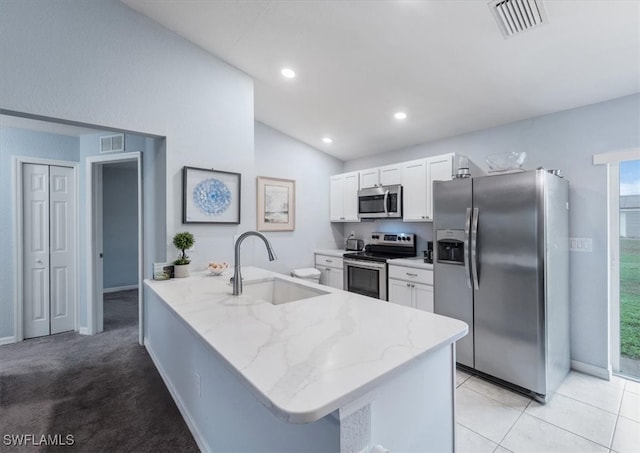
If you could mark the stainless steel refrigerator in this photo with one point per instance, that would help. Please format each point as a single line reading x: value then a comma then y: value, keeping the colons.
x: 501, y: 265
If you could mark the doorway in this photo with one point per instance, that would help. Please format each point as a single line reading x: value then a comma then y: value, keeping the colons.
x: 102, y: 254
x: 623, y: 174
x: 48, y: 206
x: 629, y: 265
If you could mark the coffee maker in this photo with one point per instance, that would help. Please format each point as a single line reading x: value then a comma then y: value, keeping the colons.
x: 428, y: 254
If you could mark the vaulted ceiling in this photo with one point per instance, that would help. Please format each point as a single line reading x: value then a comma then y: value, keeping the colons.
x: 444, y: 63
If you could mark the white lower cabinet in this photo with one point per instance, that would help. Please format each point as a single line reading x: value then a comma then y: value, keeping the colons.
x: 331, y: 271
x: 411, y: 287
x: 400, y: 292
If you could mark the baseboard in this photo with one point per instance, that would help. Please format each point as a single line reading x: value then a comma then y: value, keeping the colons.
x: 83, y: 331
x: 202, y: 443
x: 119, y: 288
x: 8, y: 340
x: 602, y: 373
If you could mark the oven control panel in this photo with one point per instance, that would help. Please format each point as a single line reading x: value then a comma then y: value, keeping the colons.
x: 397, y: 239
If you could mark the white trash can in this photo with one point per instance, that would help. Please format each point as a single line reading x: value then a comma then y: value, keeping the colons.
x: 310, y: 274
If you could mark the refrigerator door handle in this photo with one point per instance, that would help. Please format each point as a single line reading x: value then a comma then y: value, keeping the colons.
x: 474, y: 248
x: 467, y: 267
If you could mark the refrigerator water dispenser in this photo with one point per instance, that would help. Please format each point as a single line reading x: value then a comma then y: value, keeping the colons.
x: 450, y: 246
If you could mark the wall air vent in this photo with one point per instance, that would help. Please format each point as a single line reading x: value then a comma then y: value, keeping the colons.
x: 516, y: 16
x: 112, y: 143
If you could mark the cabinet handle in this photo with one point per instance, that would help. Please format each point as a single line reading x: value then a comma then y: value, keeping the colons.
x: 411, y: 275
x: 408, y: 285
x: 328, y: 261
x: 328, y: 269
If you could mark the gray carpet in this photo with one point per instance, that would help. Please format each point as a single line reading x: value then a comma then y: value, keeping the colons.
x: 102, y: 389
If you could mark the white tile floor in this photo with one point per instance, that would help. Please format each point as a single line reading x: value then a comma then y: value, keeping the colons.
x: 586, y: 414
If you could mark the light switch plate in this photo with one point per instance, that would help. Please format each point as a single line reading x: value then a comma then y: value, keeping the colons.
x: 581, y: 244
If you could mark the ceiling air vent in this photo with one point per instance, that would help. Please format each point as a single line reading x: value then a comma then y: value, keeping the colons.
x: 112, y: 143
x: 516, y: 16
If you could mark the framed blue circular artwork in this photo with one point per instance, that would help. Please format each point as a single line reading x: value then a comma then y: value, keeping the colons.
x: 212, y: 196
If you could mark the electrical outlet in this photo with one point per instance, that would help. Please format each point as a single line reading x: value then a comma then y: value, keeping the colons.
x: 581, y: 244
x: 197, y: 382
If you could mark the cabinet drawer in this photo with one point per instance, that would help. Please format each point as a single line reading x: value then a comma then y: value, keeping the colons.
x: 328, y: 261
x: 411, y: 274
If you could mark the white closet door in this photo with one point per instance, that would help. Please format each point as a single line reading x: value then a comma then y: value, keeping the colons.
x: 35, y: 185
x: 62, y: 248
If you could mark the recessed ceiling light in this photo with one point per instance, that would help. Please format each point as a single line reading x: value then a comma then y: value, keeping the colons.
x: 327, y: 140
x: 400, y: 115
x: 288, y: 73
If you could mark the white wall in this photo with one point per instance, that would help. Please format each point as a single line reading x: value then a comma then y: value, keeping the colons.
x: 280, y: 156
x: 566, y: 141
x: 102, y: 63
x: 114, y: 68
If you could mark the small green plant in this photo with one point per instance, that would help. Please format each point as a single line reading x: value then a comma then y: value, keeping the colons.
x: 183, y: 241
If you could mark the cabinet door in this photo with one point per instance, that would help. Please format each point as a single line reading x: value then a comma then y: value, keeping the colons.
x: 423, y: 297
x: 391, y: 175
x: 400, y: 292
x: 414, y: 186
x: 369, y: 178
x: 439, y: 168
x: 336, y: 203
x: 350, y: 203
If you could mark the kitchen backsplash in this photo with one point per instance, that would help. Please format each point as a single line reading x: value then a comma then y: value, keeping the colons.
x: 422, y: 230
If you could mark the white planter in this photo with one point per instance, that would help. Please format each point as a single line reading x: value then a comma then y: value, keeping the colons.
x: 180, y: 270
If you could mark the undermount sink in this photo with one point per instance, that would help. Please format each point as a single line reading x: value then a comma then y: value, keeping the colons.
x: 279, y: 291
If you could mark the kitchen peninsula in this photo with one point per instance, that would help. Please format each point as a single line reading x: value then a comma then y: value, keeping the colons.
x: 335, y: 371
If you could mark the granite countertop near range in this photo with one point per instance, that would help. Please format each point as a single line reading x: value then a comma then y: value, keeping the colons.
x: 333, y: 252
x: 415, y: 262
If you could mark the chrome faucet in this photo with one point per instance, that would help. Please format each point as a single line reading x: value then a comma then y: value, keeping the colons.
x: 237, y: 276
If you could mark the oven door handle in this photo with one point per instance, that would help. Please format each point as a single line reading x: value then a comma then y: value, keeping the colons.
x: 364, y: 264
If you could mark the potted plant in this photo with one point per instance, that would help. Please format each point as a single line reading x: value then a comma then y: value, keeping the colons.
x: 182, y: 241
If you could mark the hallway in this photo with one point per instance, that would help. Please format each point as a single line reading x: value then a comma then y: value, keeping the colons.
x: 103, y: 390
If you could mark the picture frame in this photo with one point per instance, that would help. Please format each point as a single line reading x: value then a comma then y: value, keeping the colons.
x: 210, y: 196
x: 276, y: 204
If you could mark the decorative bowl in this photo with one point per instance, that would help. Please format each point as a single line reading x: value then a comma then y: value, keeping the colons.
x: 217, y: 268
x: 506, y: 161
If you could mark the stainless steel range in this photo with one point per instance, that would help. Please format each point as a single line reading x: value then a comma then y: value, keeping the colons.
x: 366, y: 272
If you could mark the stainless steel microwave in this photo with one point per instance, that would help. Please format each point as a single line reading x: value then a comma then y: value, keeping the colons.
x: 380, y: 202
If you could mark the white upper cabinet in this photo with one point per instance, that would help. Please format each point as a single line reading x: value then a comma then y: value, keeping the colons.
x: 417, y: 184
x: 414, y: 191
x: 344, y: 197
x: 369, y: 178
x: 381, y: 176
x: 416, y: 177
x: 439, y: 168
x: 391, y: 175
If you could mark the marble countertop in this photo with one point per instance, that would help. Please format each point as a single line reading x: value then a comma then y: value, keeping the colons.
x: 332, y: 252
x: 307, y: 358
x: 416, y: 262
